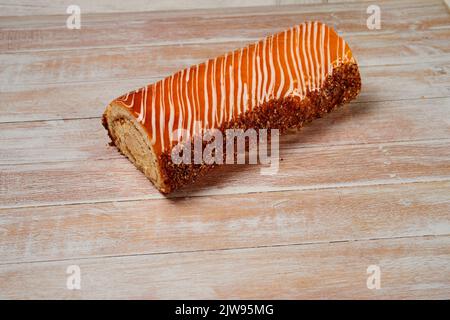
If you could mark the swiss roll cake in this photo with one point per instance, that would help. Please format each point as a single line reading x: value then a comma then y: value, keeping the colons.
x: 280, y: 82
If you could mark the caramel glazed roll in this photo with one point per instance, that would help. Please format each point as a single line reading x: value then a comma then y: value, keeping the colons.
x: 280, y: 82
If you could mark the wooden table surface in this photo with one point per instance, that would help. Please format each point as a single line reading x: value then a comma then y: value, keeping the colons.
x: 368, y: 185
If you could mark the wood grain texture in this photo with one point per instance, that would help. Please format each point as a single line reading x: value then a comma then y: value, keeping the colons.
x: 57, y: 183
x: 42, y: 7
x: 181, y: 28
x: 42, y: 101
x: 411, y: 268
x: 78, y: 139
x: 97, y: 64
x: 26, y: 88
x: 368, y: 184
x: 213, y: 223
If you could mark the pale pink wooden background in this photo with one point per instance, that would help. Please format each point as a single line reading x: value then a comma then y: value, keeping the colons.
x: 367, y: 185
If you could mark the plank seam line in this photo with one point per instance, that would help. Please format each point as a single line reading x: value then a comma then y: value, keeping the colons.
x: 142, y: 45
x: 155, y: 197
x: 231, y: 12
x: 118, y: 256
x: 214, y: 41
x: 437, y: 61
x: 356, y: 102
x: 50, y: 120
x: 285, y: 148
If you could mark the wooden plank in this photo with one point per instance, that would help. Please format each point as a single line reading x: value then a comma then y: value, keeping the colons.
x: 62, y: 140
x: 305, y: 168
x: 49, y: 33
x: 81, y: 100
x: 213, y: 223
x: 93, y: 64
x: 151, y: 27
x: 358, y: 123
x: 86, y: 100
x: 42, y: 7
x: 410, y: 268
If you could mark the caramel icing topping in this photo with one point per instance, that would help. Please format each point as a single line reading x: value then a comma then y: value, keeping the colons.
x: 290, y: 63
